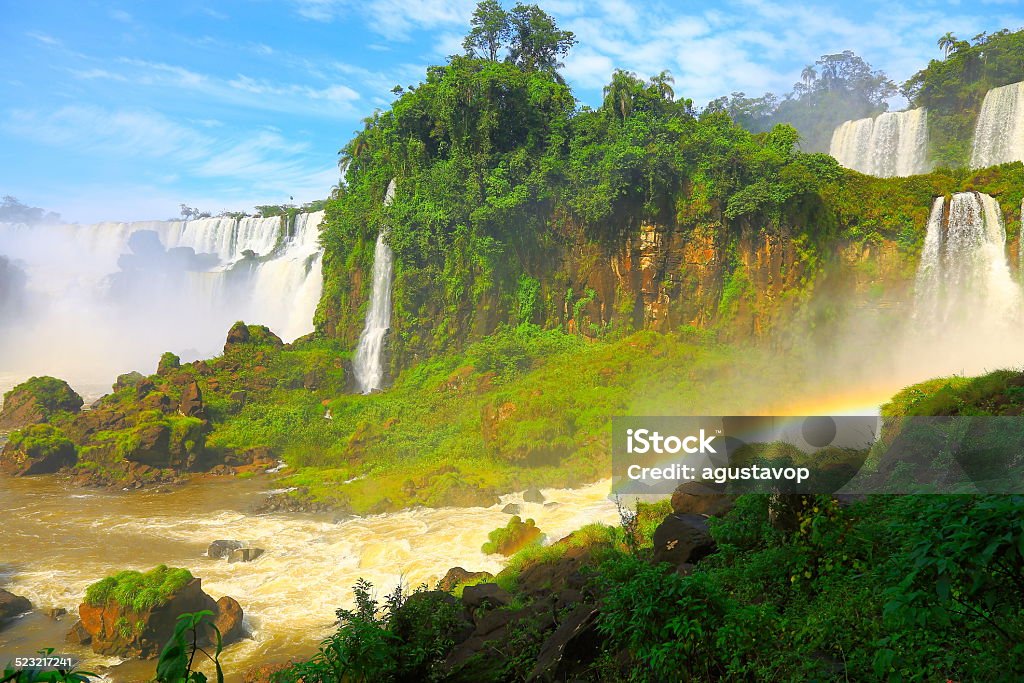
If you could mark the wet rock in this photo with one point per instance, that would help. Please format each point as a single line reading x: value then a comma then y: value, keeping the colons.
x: 151, y: 445
x: 533, y: 496
x: 228, y: 619
x: 575, y: 640
x: 78, y: 635
x: 485, y: 596
x: 694, y: 497
x: 244, y: 554
x: 682, y: 538
x: 191, y: 404
x: 12, y: 605
x: 37, y: 449
x: 457, y: 575
x: 264, y: 673
x: 36, y: 401
x: 56, y: 613
x: 219, y: 550
x: 113, y: 629
x: 512, y: 509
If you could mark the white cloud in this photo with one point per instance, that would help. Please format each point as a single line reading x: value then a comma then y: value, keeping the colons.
x: 44, y: 38
x: 238, y: 169
x: 393, y: 19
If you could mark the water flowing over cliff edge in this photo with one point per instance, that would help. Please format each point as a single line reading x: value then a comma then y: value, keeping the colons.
x: 107, y: 298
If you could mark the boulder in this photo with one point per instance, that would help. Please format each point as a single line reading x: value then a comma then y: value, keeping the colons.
x: 575, y: 640
x: 117, y: 630
x: 128, y: 379
x: 191, y: 404
x: 699, y: 498
x: 240, y: 333
x: 682, y: 538
x: 512, y: 509
x: 458, y: 575
x: 12, y: 605
x: 228, y: 619
x: 485, y: 596
x: 36, y: 401
x: 78, y: 635
x: 37, y: 449
x: 152, y: 445
x: 168, y: 363
x: 219, y: 550
x: 533, y: 496
x: 244, y: 554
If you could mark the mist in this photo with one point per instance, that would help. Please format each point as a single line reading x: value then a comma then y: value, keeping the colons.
x: 89, y: 302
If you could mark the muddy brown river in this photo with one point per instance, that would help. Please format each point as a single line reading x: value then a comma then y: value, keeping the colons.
x: 55, y: 540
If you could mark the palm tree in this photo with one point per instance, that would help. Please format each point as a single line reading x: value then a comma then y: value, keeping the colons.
x: 618, y: 95
x: 662, y: 83
x: 947, y: 43
x: 808, y: 75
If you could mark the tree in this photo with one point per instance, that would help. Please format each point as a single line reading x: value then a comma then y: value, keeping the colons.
x: 946, y: 43
x: 618, y: 95
x: 537, y: 42
x: 13, y: 211
x: 663, y: 84
x: 491, y: 29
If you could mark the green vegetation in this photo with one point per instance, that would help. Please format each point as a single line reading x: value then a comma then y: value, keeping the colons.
x: 43, y: 441
x: 836, y: 88
x: 177, y: 659
x: 404, y: 639
x: 512, y: 537
x: 138, y: 591
x: 913, y: 588
x: 52, y: 395
x: 954, y: 87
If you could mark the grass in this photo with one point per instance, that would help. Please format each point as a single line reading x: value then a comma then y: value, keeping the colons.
x: 138, y: 591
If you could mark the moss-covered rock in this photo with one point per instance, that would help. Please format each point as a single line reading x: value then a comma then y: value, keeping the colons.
x: 37, y: 449
x: 38, y: 400
x: 133, y: 614
x: 513, y: 537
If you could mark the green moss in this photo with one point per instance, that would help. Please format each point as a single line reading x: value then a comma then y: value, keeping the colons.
x: 138, y: 591
x: 512, y: 537
x: 42, y: 441
x: 52, y: 394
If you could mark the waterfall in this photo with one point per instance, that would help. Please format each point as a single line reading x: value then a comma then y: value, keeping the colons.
x: 150, y: 286
x: 999, y: 133
x: 368, y: 363
x: 891, y: 144
x: 964, y: 288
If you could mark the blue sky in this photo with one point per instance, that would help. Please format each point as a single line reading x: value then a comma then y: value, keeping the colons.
x: 123, y: 110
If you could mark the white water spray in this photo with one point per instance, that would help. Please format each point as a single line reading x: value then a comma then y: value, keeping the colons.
x: 967, y: 304
x: 107, y: 298
x: 368, y: 363
x: 999, y: 133
x: 889, y: 145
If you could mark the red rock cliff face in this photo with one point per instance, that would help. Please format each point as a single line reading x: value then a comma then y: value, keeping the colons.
x: 742, y: 282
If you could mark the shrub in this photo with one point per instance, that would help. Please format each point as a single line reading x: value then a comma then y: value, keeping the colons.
x: 136, y: 590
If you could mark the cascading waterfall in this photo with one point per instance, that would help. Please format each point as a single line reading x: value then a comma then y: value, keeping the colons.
x: 893, y: 144
x: 999, y: 132
x: 150, y: 286
x: 964, y: 288
x: 368, y: 363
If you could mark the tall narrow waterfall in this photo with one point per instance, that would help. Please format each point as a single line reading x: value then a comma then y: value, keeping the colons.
x: 368, y: 363
x: 891, y: 144
x: 999, y: 133
x: 964, y: 287
x: 103, y: 299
